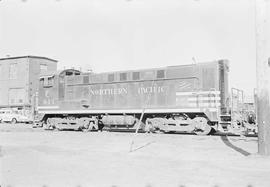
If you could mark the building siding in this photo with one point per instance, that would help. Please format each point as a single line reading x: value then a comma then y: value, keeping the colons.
x: 19, y: 79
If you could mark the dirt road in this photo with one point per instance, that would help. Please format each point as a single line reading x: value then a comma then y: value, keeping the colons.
x: 34, y: 157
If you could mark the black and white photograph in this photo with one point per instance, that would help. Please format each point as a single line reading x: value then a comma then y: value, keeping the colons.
x: 134, y: 93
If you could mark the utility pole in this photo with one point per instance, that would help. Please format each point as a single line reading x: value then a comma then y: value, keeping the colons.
x: 262, y: 8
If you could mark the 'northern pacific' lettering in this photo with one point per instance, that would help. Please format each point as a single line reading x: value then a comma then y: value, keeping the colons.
x: 108, y: 91
x: 122, y: 91
x: 153, y: 89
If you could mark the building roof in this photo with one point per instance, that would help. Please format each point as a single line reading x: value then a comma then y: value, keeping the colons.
x: 29, y: 56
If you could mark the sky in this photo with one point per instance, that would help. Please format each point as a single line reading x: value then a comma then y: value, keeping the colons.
x: 112, y: 35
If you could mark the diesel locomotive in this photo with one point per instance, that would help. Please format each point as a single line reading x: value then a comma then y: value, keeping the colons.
x: 184, y: 98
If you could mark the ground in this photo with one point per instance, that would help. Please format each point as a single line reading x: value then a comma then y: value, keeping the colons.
x: 35, y: 157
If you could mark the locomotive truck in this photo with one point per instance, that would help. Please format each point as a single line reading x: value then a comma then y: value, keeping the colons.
x: 184, y: 98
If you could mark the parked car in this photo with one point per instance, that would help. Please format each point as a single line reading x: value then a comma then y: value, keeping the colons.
x: 13, y: 116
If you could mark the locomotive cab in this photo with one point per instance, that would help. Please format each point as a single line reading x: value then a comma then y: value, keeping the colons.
x: 51, y: 90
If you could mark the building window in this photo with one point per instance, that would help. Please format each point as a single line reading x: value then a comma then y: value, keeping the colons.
x: 45, y: 83
x: 123, y: 76
x: 48, y: 81
x: 13, y: 71
x: 110, y: 77
x: 43, y: 67
x: 136, y: 76
x: 160, y: 74
x: 16, y: 96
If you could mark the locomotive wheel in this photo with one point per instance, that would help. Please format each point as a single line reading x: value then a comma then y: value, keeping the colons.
x: 156, y: 125
x: 85, y: 126
x: 89, y: 127
x: 13, y: 121
x: 201, y: 126
x: 50, y: 125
